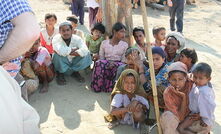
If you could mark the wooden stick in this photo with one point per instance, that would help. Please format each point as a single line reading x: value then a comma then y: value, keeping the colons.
x: 151, y: 67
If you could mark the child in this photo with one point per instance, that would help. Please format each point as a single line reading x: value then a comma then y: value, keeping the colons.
x: 175, y: 98
x: 41, y: 64
x: 128, y: 103
x: 159, y: 33
x: 189, y: 57
x: 74, y: 21
x: 201, y: 103
x: 49, y: 32
x: 94, y: 40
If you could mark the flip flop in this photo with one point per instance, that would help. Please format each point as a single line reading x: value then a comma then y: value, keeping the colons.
x: 111, y: 125
x: 78, y: 77
x: 60, y: 79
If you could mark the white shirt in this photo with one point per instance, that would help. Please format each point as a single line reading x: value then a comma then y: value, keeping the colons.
x: 120, y: 100
x: 62, y: 49
x: 92, y: 3
x: 47, y: 38
x: 202, y: 101
x: 17, y: 116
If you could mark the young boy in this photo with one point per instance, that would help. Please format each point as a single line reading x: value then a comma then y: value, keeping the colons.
x: 159, y: 33
x: 74, y: 21
x: 201, y: 103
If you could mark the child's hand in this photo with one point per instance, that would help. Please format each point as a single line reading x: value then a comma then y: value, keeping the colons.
x: 195, y: 117
x: 203, y: 124
x: 95, y: 57
x: 176, y: 91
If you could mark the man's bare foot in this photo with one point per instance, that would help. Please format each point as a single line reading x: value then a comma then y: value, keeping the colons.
x: 44, y: 89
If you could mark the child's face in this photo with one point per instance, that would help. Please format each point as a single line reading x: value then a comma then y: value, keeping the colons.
x: 185, y: 59
x: 129, y: 84
x: 200, y: 79
x: 161, y: 35
x: 139, y: 37
x: 96, y: 34
x: 51, y: 21
x: 74, y: 25
x: 157, y: 61
x: 177, y: 80
x: 66, y: 32
x: 172, y: 45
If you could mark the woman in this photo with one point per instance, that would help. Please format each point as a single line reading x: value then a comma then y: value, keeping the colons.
x: 175, y: 42
x: 111, y: 55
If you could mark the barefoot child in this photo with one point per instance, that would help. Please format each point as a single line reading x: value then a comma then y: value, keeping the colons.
x: 201, y: 103
x: 49, y: 32
x: 159, y: 33
x: 41, y: 64
x: 129, y: 104
x: 94, y: 40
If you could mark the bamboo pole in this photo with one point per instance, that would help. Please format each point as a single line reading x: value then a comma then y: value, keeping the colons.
x: 150, y: 58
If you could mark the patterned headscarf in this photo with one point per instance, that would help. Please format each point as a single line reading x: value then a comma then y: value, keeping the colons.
x: 118, y: 89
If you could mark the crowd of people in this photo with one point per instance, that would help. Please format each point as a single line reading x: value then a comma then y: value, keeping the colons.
x: 186, y: 96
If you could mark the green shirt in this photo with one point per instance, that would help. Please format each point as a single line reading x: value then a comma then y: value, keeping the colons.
x: 94, y: 45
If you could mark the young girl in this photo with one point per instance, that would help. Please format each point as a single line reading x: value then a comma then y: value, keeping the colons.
x: 49, y: 32
x: 94, y: 40
x: 41, y: 64
x: 112, y: 55
x: 176, y: 98
x: 128, y: 103
x: 74, y: 22
x: 202, y: 103
x: 189, y: 57
x: 175, y: 42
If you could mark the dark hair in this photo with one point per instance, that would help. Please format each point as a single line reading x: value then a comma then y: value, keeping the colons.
x: 100, y: 27
x: 157, y: 29
x: 50, y: 15
x: 72, y: 18
x: 117, y: 27
x: 130, y: 74
x: 136, y: 29
x: 203, y: 68
x: 176, y: 71
x: 190, y: 53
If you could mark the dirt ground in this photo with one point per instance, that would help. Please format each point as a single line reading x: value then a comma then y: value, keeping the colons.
x: 74, y: 109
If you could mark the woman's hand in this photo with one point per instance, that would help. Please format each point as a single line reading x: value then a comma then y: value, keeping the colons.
x: 195, y: 117
x: 176, y: 91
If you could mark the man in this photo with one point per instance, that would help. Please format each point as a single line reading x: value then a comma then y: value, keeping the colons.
x: 16, y: 37
x: 176, y: 8
x: 77, y: 8
x: 71, y: 54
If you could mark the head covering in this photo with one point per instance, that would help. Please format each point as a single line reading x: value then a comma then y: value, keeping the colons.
x: 158, y: 50
x: 179, y: 37
x: 130, y: 50
x: 65, y: 24
x: 118, y: 88
x: 178, y: 66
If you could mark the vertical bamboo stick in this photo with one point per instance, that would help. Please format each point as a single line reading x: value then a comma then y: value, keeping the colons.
x: 150, y: 58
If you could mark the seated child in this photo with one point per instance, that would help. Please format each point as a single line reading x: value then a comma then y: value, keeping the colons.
x: 74, y: 21
x: 201, y: 103
x: 94, y: 40
x: 159, y: 33
x: 129, y: 104
x: 41, y: 64
x: 189, y: 57
x: 130, y: 64
x: 49, y: 32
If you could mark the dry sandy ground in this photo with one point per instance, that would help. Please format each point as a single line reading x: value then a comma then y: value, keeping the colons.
x: 75, y: 109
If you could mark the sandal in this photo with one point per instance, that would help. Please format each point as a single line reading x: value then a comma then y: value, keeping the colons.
x: 78, y: 77
x: 111, y: 125
x: 60, y: 79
